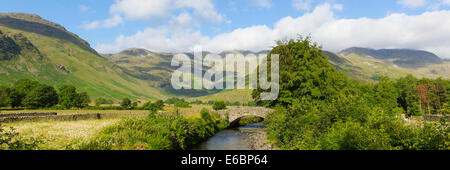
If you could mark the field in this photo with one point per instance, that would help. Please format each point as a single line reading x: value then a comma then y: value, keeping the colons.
x: 60, y: 135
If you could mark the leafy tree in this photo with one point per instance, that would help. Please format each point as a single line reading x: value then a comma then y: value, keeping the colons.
x: 304, y: 72
x: 126, y: 103
x: 19, y: 90
x: 158, y: 105
x: 100, y: 101
x: 408, y: 98
x: 4, y: 96
x: 386, y: 94
x: 42, y: 96
x: 68, y: 96
x: 82, y: 100
x: 219, y: 105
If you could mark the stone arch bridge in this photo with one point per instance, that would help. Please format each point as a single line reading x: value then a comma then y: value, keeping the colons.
x: 237, y: 113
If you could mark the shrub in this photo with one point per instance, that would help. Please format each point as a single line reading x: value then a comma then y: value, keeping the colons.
x: 182, y: 104
x: 100, y: 101
x: 219, y: 105
x: 155, y: 132
x: 158, y: 105
x: 126, y: 103
x: 10, y: 140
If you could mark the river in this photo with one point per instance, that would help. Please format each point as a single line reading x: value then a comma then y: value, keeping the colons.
x: 241, y: 138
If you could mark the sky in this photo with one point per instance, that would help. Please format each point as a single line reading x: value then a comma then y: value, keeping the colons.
x: 220, y: 25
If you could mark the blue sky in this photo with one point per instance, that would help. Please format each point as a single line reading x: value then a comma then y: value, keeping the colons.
x: 216, y: 25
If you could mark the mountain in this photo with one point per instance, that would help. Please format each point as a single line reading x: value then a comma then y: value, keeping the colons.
x: 406, y: 58
x: 157, y: 70
x: 34, y: 48
x: 368, y: 64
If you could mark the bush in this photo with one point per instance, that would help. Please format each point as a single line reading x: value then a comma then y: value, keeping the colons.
x: 10, y: 140
x: 158, y: 105
x: 219, y: 105
x: 155, y: 132
x: 100, y: 101
x: 126, y: 103
x: 182, y: 104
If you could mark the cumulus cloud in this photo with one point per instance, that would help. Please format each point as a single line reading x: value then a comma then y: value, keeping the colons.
x: 412, y: 3
x: 91, y: 25
x: 146, y: 9
x: 263, y: 3
x: 302, y: 4
x: 427, y: 31
x: 108, y: 23
x: 123, y: 10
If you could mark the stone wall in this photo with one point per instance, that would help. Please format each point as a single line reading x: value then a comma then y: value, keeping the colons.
x: 70, y: 117
x: 435, y: 117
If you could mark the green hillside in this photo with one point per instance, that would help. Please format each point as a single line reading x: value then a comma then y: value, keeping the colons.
x: 37, y: 49
x: 368, y: 64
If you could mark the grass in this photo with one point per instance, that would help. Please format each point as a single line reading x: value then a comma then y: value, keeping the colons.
x: 58, y: 135
x: 62, y: 112
x: 240, y: 95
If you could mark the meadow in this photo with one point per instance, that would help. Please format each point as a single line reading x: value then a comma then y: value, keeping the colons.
x: 61, y: 135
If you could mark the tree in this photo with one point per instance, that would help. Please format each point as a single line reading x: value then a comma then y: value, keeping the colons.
x: 4, y: 96
x: 100, y: 101
x: 42, y: 96
x: 82, y: 100
x: 219, y: 105
x: 126, y: 103
x: 19, y: 90
x: 386, y: 94
x: 304, y: 72
x: 408, y: 98
x: 158, y: 105
x: 423, y: 91
x: 68, y: 96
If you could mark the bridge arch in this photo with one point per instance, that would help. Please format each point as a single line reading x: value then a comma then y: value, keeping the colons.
x: 234, y: 114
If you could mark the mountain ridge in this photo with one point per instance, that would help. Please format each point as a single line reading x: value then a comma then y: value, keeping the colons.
x: 408, y: 58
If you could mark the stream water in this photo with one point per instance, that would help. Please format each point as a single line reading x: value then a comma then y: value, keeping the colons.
x: 231, y: 139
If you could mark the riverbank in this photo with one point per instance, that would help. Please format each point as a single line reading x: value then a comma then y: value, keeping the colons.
x: 258, y: 140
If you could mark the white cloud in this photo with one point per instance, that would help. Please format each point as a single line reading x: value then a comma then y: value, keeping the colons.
x: 146, y: 9
x: 427, y: 31
x: 122, y: 10
x: 263, y: 3
x: 302, y: 4
x: 91, y: 25
x: 108, y: 23
x: 140, y: 9
x: 412, y: 3
x: 113, y: 21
